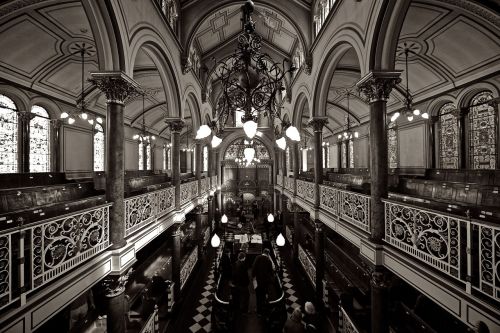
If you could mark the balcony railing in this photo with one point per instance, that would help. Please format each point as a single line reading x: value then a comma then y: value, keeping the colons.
x: 188, y: 266
x: 189, y: 191
x: 306, y: 190
x: 205, y: 185
x: 350, y: 206
x: 346, y: 325
x: 6, y: 296
x: 279, y: 180
x: 152, y: 324
x: 450, y: 244
x: 288, y: 183
x: 143, y: 209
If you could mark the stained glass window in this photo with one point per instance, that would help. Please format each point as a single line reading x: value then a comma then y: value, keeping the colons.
x: 288, y: 160
x: 99, y: 148
x: 141, y: 156
x: 205, y: 158
x: 392, y: 146
x: 344, y: 155
x: 8, y: 135
x: 169, y: 159
x: 164, y: 158
x: 323, y: 151
x: 448, y: 137
x: 483, y: 132
x: 351, y: 154
x: 148, y: 157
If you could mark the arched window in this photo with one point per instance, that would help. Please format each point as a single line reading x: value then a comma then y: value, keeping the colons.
x: 148, y: 157
x: 448, y: 137
x: 351, y: 154
x: 343, y: 156
x: 288, y: 159
x: 169, y: 159
x: 205, y: 159
x: 98, y: 148
x: 165, y: 158
x: 482, y: 132
x: 141, y: 156
x: 8, y: 135
x: 39, y: 140
x: 392, y: 145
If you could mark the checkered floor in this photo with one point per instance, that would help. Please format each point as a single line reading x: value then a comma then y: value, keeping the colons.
x: 292, y: 301
x: 204, y: 310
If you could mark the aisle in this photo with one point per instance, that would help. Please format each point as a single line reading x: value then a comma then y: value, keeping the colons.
x: 195, y: 315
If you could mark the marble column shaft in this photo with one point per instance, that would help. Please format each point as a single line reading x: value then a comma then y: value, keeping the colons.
x: 317, y: 124
x: 176, y: 126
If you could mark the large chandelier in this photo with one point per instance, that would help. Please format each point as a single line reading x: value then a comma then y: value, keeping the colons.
x: 409, y: 111
x: 250, y: 81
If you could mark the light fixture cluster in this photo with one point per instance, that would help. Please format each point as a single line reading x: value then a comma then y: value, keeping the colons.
x: 90, y: 118
x: 409, y: 111
x: 290, y: 132
x: 144, y: 136
x: 348, y: 135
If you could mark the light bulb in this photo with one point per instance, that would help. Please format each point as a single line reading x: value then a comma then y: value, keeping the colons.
x: 340, y: 136
x: 410, y: 118
x: 91, y: 121
x: 416, y: 112
x: 153, y: 137
x: 281, y: 142
x: 249, y: 154
x: 84, y: 116
x: 270, y: 218
x: 203, y: 132
x: 293, y: 133
x: 280, y: 240
x: 215, y: 242
x: 71, y: 120
x: 395, y: 116
x: 250, y: 128
x: 216, y: 141
x: 99, y: 120
x: 356, y: 134
x: 64, y: 115
x: 135, y: 137
x: 223, y: 219
x: 425, y: 115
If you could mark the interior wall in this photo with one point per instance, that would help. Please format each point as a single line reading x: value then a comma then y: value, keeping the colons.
x: 361, y: 152
x: 412, y: 146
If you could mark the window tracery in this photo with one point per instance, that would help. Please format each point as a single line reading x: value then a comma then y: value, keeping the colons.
x: 343, y: 156
x: 99, y: 146
x: 8, y: 135
x: 169, y: 9
x: 205, y: 159
x: 39, y: 154
x: 448, y: 137
x: 392, y: 145
x: 148, y: 157
x: 351, y: 154
x: 483, y: 132
x: 323, y: 8
x: 141, y: 156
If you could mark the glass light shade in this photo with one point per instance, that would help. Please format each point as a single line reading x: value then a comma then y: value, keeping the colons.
x: 425, y: 115
x: 216, y: 141
x: 249, y: 154
x: 135, y: 137
x: 395, y: 116
x: 281, y: 142
x: 203, y: 132
x: 153, y: 137
x: 91, y: 121
x: 71, y: 121
x: 410, y: 118
x: 280, y: 240
x: 84, y: 116
x: 223, y: 219
x: 416, y: 112
x: 346, y: 135
x: 64, y: 115
x: 356, y: 134
x: 218, y: 188
x: 250, y: 128
x: 293, y: 133
x: 215, y: 241
x: 340, y: 136
x: 99, y: 120
x: 212, y: 192
x: 270, y: 218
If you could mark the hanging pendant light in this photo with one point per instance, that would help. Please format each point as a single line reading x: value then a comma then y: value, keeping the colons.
x: 250, y: 128
x: 203, y: 132
x: 280, y: 240
x: 281, y: 142
x: 270, y: 218
x: 216, y: 141
x: 223, y: 219
x: 215, y: 241
x: 293, y: 133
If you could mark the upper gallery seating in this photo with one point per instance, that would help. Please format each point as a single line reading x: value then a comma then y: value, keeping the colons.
x: 137, y: 182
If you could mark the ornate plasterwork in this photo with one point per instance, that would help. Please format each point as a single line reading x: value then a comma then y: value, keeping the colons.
x: 117, y: 87
x: 377, y: 86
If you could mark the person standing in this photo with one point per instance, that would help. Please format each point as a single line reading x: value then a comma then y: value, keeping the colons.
x: 241, y: 281
x: 294, y: 323
x: 225, y: 268
x: 262, y: 273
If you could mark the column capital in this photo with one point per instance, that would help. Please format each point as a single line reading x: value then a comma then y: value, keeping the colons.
x: 317, y: 123
x: 118, y: 87
x: 56, y: 123
x: 377, y: 86
x: 25, y: 116
x: 379, y: 279
x: 175, y: 124
x: 114, y: 285
x: 318, y: 225
x: 198, y: 209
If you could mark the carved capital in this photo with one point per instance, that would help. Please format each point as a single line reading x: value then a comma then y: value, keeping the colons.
x: 114, y: 285
x: 379, y: 279
x: 25, y: 116
x: 175, y: 124
x: 307, y: 65
x: 117, y: 87
x: 187, y: 65
x: 318, y: 225
x: 317, y: 123
x: 198, y: 209
x: 56, y: 123
x: 377, y: 86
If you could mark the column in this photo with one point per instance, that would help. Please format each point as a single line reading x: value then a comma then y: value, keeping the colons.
x: 376, y: 86
x: 199, y: 164
x: 24, y: 119
x: 219, y: 181
x: 114, y: 292
x: 432, y: 140
x: 176, y: 262
x: 317, y: 123
x: 144, y: 161
x: 56, y: 151
x: 118, y: 88
x: 339, y: 155
x: 462, y: 138
x: 295, y: 165
x: 210, y: 212
x: 175, y: 125
x: 296, y: 231
x: 319, y: 247
x: 380, y: 301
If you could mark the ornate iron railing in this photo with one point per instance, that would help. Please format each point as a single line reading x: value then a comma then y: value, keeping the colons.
x: 152, y: 324
x: 143, y: 209
x: 346, y: 325
x: 288, y: 235
x: 62, y: 243
x: 188, y: 266
x: 5, y: 270
x: 350, y: 206
x: 488, y: 258
x: 306, y: 190
x: 426, y: 235
x: 308, y: 265
x: 288, y: 183
x: 205, y: 185
x: 189, y: 191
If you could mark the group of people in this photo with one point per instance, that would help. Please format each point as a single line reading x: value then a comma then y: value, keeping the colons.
x: 302, y: 322
x: 262, y: 273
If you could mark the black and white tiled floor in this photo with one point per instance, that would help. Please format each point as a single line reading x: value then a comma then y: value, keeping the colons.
x: 201, y: 321
x: 292, y: 301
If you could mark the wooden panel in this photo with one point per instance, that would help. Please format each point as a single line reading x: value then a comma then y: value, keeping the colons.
x: 412, y: 147
x: 77, y: 149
